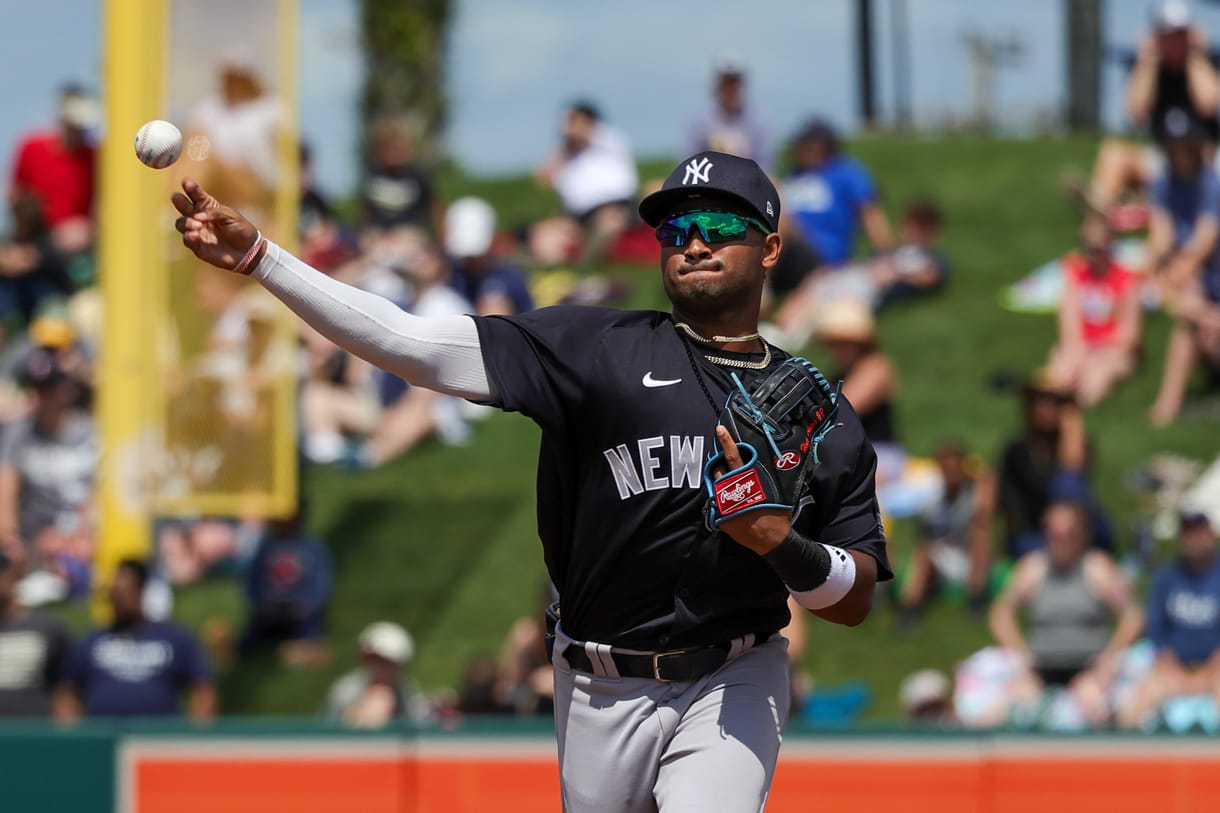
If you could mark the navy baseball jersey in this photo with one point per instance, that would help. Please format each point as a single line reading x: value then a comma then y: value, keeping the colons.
x: 627, y: 409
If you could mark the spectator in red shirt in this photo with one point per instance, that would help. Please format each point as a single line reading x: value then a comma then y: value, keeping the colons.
x: 56, y: 168
x: 1099, y: 319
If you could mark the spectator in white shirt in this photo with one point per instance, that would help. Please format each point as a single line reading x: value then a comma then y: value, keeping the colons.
x: 594, y: 174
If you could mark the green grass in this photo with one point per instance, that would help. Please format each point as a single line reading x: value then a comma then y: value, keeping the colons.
x: 444, y: 540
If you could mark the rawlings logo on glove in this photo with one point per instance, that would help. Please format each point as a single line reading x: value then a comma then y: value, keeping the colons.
x: 777, y: 428
x: 737, y: 492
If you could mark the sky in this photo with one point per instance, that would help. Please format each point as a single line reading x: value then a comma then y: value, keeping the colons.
x: 514, y: 64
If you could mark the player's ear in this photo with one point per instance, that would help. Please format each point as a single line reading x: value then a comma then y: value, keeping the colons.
x: 772, y: 244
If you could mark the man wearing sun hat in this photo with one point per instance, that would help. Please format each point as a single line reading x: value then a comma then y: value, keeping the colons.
x: 671, y: 680
x: 378, y: 691
x: 848, y: 332
x: 490, y: 284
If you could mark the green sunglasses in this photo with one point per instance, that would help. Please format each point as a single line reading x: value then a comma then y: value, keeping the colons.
x: 714, y: 226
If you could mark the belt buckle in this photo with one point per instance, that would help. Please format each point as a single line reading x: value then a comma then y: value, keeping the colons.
x: 656, y: 663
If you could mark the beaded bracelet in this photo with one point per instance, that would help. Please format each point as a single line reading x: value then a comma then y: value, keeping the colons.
x: 243, y: 265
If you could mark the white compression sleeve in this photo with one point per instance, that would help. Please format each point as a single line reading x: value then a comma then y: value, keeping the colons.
x: 440, y: 353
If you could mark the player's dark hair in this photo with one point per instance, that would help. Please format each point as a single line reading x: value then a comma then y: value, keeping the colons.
x: 951, y: 445
x: 291, y: 524
x: 819, y: 131
x: 586, y: 109
x: 1078, y: 505
x: 29, y: 218
x: 1096, y: 220
x: 925, y: 213
x: 138, y: 570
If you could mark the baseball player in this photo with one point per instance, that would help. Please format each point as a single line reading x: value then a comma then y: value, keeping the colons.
x: 671, y: 680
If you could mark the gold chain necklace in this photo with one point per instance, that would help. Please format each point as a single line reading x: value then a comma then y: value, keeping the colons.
x: 727, y: 362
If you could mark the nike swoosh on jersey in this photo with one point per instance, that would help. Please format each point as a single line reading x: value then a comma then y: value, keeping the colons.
x: 649, y: 381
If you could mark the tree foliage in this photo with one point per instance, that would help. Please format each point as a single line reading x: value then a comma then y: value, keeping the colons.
x: 404, y: 46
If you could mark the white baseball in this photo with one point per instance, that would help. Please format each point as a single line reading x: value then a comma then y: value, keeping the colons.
x: 158, y: 144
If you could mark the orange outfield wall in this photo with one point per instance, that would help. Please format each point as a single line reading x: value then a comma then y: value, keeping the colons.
x: 897, y: 776
x: 1002, y: 785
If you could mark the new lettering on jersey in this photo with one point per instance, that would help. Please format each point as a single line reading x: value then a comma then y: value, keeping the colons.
x: 635, y: 474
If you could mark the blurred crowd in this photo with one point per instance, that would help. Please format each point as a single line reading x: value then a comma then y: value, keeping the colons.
x: 1073, y: 646
x: 1022, y: 542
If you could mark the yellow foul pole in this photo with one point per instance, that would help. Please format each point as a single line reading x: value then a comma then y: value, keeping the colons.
x: 287, y: 209
x: 131, y: 204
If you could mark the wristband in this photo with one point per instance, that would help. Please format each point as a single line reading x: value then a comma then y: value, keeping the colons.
x: 818, y: 576
x: 802, y: 563
x: 839, y: 581
x: 243, y: 265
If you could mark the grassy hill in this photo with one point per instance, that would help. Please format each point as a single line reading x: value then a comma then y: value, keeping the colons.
x: 444, y: 540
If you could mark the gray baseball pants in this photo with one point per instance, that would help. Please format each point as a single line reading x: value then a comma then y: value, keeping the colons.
x: 637, y: 745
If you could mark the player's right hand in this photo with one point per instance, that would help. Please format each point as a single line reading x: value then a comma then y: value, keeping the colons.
x: 217, y: 234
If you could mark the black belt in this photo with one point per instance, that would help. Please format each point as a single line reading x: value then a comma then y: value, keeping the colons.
x: 678, y: 665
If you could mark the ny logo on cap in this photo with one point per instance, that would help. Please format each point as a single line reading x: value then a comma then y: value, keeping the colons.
x: 697, y: 171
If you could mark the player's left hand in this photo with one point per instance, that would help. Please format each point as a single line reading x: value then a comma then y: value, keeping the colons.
x: 761, y: 531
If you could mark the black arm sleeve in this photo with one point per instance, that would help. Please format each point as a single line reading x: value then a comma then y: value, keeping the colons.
x: 802, y: 563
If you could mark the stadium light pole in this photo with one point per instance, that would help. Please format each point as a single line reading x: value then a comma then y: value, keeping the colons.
x: 900, y: 61
x: 864, y: 63
x: 1084, y: 54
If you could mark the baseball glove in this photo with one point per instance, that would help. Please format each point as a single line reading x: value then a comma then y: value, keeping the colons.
x: 778, y: 428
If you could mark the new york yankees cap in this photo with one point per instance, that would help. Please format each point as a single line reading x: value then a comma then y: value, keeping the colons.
x: 714, y: 174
